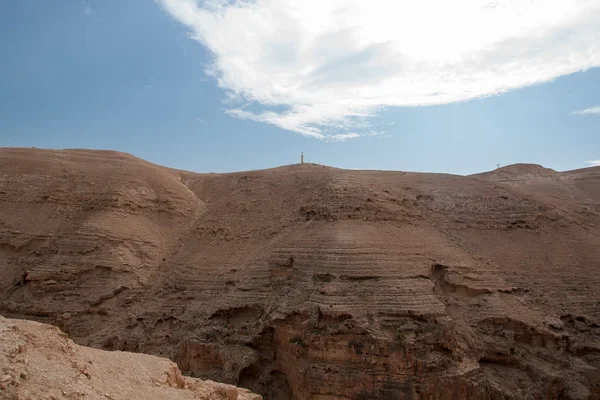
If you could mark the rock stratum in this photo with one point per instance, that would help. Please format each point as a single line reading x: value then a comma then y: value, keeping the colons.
x: 310, y: 282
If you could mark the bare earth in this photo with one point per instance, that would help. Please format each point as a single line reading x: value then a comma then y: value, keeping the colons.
x: 310, y: 282
x: 37, y: 361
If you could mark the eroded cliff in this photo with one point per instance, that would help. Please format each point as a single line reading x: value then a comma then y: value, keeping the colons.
x: 310, y: 282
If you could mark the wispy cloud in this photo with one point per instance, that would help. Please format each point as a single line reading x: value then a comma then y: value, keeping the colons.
x: 343, y: 136
x: 594, y: 163
x: 87, y: 9
x: 492, y: 5
x: 199, y: 120
x: 148, y: 86
x: 591, y: 110
x: 323, y: 68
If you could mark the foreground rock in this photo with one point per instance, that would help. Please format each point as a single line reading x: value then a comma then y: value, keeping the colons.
x: 38, y: 361
x: 309, y: 282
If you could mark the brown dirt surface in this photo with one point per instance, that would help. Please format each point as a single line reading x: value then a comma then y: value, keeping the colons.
x: 311, y: 282
x: 38, y: 361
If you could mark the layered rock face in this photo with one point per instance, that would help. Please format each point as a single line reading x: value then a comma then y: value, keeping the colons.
x: 309, y: 282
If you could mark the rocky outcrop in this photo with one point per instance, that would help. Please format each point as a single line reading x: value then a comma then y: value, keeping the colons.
x: 310, y: 282
x: 38, y: 361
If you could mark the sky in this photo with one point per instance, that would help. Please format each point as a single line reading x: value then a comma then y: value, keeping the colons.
x: 228, y: 85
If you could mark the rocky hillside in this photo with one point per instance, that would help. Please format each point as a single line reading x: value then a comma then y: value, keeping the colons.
x: 310, y: 282
x: 37, y: 361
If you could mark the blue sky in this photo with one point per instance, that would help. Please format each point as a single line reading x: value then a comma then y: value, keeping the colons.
x: 225, y: 86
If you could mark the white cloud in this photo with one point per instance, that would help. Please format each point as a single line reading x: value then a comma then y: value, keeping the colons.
x: 322, y: 68
x: 87, y: 9
x: 343, y: 136
x: 591, y: 110
x: 595, y: 163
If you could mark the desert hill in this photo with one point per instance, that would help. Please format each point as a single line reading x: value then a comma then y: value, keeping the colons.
x: 311, y: 282
x: 519, y: 172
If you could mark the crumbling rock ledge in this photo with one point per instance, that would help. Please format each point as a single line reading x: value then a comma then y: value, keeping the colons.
x: 38, y: 361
